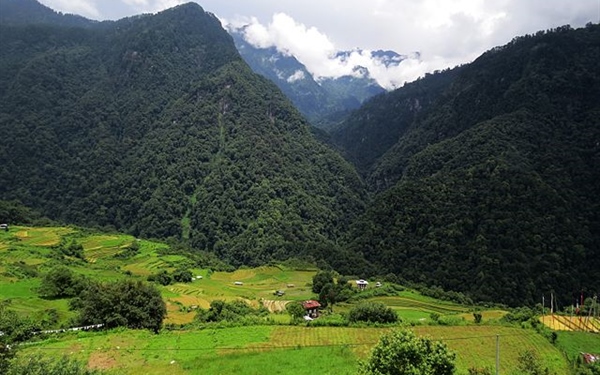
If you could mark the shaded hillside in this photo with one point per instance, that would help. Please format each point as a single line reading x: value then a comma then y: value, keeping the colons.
x: 154, y: 125
x: 495, y: 189
x: 377, y: 125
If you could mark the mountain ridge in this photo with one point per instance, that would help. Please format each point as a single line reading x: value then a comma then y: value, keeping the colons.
x: 492, y: 190
x: 155, y: 126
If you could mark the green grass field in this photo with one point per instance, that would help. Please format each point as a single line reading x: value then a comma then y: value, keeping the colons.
x: 26, y: 253
x: 573, y: 343
x: 284, y: 349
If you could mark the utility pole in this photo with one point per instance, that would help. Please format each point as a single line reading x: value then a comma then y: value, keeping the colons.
x: 497, y: 354
x: 543, y: 312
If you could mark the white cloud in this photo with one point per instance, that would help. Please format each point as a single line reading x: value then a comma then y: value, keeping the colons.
x: 152, y: 6
x: 320, y: 56
x: 86, y: 8
x: 298, y: 75
x: 446, y: 33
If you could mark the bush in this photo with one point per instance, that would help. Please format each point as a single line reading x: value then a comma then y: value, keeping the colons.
x: 235, y: 311
x: 124, y: 303
x: 15, y: 329
x: 296, y: 310
x: 61, y: 282
x: 38, y: 365
x: 401, y: 352
x: 372, y: 312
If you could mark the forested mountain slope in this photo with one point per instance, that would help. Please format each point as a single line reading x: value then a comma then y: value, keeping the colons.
x: 494, y: 188
x: 153, y: 125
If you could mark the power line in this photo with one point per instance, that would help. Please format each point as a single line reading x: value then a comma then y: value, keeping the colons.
x: 271, y: 347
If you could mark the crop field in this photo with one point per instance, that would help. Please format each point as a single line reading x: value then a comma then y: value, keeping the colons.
x: 26, y: 253
x: 571, y: 323
x: 25, y: 249
x: 285, y: 349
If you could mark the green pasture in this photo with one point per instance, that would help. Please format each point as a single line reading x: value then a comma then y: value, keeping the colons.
x: 414, y: 307
x: 574, y: 343
x: 26, y: 253
x: 34, y: 247
x: 284, y: 349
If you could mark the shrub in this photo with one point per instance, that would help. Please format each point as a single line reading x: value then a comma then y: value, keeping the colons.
x: 372, y: 312
x: 401, y: 352
x: 125, y: 303
x: 38, y: 365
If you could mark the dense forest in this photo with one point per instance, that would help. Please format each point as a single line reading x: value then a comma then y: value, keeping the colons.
x: 492, y: 186
x: 483, y: 179
x: 153, y: 125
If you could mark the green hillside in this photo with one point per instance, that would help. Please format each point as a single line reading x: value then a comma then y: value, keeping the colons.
x: 154, y: 126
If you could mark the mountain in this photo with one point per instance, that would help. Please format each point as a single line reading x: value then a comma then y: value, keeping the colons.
x: 378, y: 124
x: 488, y: 175
x: 15, y: 12
x: 324, y: 101
x: 154, y: 125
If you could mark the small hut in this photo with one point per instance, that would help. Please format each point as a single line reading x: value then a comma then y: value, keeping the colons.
x: 362, y: 284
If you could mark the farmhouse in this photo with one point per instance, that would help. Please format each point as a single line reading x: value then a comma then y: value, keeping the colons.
x: 4, y: 227
x: 311, y: 307
x: 238, y: 283
x: 362, y: 284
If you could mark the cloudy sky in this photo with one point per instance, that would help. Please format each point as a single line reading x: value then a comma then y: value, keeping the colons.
x: 444, y: 32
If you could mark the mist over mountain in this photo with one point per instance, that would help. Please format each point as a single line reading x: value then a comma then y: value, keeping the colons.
x: 324, y: 101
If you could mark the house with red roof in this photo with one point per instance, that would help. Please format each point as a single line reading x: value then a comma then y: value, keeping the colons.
x: 311, y: 307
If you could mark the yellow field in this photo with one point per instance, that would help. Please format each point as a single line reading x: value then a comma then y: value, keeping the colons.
x: 486, y: 315
x: 42, y: 236
x: 568, y: 323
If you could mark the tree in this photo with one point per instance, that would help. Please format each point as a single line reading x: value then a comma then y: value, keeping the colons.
x: 321, y: 279
x: 529, y: 364
x: 327, y: 295
x: 181, y: 275
x: 401, y: 352
x: 61, y: 282
x: 295, y: 309
x: 15, y: 329
x: 373, y: 312
x: 125, y: 303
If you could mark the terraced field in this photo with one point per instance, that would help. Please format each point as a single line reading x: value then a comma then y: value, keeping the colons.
x: 26, y: 253
x: 286, y: 349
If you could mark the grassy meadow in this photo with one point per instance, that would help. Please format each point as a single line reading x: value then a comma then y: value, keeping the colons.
x: 277, y: 347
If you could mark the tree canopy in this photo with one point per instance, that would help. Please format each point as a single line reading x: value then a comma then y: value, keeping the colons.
x: 124, y: 303
x: 401, y: 352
